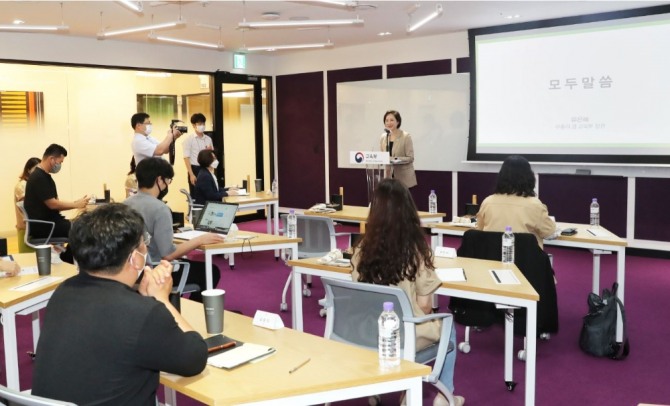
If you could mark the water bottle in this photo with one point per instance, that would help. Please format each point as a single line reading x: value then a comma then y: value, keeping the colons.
x: 508, y: 246
x: 292, y: 225
x: 595, y: 213
x: 432, y: 202
x: 274, y: 187
x: 389, y: 337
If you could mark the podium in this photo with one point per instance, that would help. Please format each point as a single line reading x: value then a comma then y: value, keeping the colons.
x: 374, y: 162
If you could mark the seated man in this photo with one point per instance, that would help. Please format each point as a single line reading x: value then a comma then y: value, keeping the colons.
x: 102, y: 342
x: 41, y: 200
x: 153, y: 177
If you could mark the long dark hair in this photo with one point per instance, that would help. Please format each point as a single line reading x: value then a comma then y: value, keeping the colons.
x: 30, y: 164
x: 394, y: 247
x: 516, y: 177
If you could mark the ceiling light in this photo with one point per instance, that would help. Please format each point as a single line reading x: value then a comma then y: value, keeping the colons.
x: 12, y: 27
x: 105, y: 34
x: 186, y: 42
x: 383, y: 34
x: 17, y: 22
x: 283, y: 47
x: 510, y: 17
x: 133, y: 5
x: 153, y: 74
x: 427, y: 19
x: 295, y: 24
x: 344, y: 4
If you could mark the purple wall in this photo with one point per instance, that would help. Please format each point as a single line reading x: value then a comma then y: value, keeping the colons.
x: 481, y: 184
x: 568, y: 198
x: 300, y: 146
x: 412, y: 69
x: 652, y: 217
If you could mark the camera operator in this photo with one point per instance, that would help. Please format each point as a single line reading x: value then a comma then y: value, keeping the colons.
x: 192, y: 146
x: 145, y: 146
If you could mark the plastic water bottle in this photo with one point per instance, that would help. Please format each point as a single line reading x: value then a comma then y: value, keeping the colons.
x: 508, y: 246
x: 595, y: 213
x: 292, y: 225
x: 274, y: 188
x: 432, y: 202
x: 389, y: 337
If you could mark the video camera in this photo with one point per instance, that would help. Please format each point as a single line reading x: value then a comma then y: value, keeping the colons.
x: 181, y: 128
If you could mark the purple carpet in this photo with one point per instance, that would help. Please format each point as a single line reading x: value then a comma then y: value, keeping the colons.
x: 565, y: 375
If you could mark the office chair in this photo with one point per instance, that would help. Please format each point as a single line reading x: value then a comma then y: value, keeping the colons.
x: 535, y: 265
x: 194, y: 209
x: 11, y: 397
x: 352, y: 312
x: 318, y: 239
x: 182, y: 288
x: 34, y: 242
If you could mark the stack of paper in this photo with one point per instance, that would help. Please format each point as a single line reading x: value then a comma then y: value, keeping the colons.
x: 451, y: 274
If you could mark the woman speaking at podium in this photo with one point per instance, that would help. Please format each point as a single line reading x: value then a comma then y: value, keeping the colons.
x: 398, y: 144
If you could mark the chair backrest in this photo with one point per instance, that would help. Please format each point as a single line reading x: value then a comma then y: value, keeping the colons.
x: 10, y: 397
x: 194, y: 210
x: 317, y: 233
x: 533, y: 263
x: 31, y: 242
x: 353, y: 310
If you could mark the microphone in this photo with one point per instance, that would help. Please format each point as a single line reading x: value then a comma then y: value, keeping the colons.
x: 388, y: 133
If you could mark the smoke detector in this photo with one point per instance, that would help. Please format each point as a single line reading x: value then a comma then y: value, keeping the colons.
x: 270, y: 15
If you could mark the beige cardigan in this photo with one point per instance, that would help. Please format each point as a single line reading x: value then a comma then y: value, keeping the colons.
x: 403, y: 150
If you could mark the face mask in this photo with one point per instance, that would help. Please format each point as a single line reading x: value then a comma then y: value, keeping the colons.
x: 144, y: 262
x: 200, y: 128
x: 162, y: 193
x: 56, y: 168
x: 215, y: 164
x: 148, y: 130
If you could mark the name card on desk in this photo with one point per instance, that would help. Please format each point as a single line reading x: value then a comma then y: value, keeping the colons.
x: 268, y: 320
x: 445, y: 252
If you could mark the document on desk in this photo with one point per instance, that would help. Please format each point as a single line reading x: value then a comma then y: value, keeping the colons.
x: 598, y: 232
x: 451, y: 274
x: 504, y: 277
x: 45, y: 280
x: 239, y: 355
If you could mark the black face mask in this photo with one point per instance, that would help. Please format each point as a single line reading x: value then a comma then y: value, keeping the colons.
x: 162, y: 193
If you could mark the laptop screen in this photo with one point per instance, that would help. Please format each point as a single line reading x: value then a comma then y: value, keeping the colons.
x: 217, y: 216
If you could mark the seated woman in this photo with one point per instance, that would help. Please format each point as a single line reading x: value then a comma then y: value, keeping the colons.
x: 206, y: 186
x: 19, y: 195
x: 394, y: 251
x: 514, y: 203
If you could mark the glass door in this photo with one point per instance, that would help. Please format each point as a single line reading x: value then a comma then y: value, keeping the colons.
x: 243, y: 117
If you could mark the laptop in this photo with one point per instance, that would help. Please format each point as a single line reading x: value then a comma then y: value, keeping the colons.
x: 215, y: 217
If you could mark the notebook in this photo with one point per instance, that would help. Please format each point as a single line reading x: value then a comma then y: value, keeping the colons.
x: 234, y: 356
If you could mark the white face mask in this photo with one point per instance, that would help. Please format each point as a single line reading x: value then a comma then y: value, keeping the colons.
x: 148, y: 130
x: 215, y: 164
x: 144, y: 262
x: 200, y: 128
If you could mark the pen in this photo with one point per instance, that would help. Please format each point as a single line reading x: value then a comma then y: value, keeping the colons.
x: 495, y: 275
x: 222, y: 346
x: 465, y: 278
x: 302, y: 364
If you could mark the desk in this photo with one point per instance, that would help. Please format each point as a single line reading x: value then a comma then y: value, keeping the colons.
x: 259, y: 242
x: 336, y: 371
x: 479, y: 286
x: 20, y: 302
x: 260, y: 201
x: 583, y: 239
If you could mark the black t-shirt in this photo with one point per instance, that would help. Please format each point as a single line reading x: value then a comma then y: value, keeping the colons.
x: 40, y: 187
x: 104, y: 344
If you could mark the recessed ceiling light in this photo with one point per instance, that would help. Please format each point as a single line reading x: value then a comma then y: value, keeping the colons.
x: 383, y: 34
x: 511, y: 17
x: 18, y: 22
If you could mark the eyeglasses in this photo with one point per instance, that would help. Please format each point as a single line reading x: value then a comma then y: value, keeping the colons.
x: 149, y: 123
x: 147, y: 238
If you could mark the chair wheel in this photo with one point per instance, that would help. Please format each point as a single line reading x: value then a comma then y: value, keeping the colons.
x: 510, y: 385
x: 232, y: 267
x: 521, y: 355
x: 283, y: 307
x: 309, y: 284
x: 545, y: 336
x: 276, y: 258
x: 464, y: 347
x: 306, y: 292
x: 322, y: 312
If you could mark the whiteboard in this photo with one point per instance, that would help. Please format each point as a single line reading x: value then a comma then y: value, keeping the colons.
x: 434, y: 110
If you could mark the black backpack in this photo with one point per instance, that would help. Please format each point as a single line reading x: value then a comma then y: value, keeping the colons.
x: 598, y: 335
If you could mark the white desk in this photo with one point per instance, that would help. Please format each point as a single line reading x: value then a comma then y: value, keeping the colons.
x: 14, y: 302
x: 336, y: 371
x: 259, y: 242
x: 479, y: 286
x: 607, y: 244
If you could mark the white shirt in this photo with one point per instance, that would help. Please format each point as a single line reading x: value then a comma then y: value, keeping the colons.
x: 192, y: 146
x: 144, y: 146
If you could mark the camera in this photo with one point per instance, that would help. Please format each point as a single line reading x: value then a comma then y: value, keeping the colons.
x: 181, y: 128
